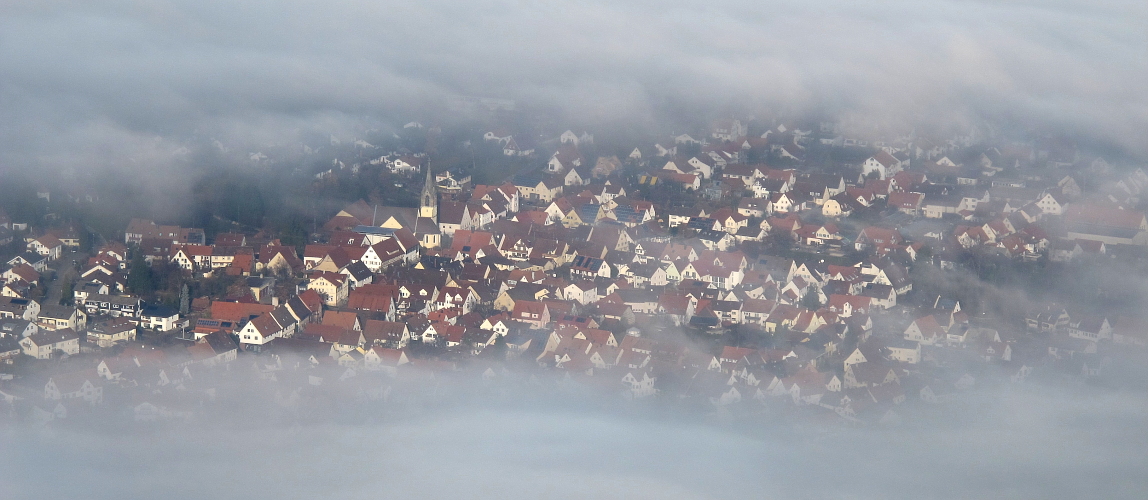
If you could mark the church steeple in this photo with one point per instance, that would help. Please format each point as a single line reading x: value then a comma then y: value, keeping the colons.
x: 428, y: 204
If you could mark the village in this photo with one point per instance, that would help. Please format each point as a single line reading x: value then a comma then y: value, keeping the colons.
x: 839, y: 275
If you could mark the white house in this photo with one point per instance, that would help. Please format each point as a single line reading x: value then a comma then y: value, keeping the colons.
x: 639, y: 387
x: 60, y: 317
x: 49, y: 246
x: 44, y: 344
x: 883, y: 163
x: 75, y: 386
x: 264, y: 329
x: 163, y: 319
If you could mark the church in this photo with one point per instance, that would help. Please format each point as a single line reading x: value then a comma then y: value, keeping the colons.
x: 382, y: 221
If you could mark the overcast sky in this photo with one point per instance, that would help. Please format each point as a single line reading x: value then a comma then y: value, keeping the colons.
x: 97, y: 81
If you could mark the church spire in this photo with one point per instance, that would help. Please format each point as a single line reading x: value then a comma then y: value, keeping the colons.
x: 428, y: 204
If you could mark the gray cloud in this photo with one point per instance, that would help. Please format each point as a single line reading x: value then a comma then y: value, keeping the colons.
x: 263, y: 71
x: 1013, y: 442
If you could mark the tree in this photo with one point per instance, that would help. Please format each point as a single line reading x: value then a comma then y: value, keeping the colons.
x: 85, y: 240
x: 811, y: 300
x: 184, y: 300
x: 924, y: 256
x: 140, y: 280
x: 498, y: 349
x: 67, y: 298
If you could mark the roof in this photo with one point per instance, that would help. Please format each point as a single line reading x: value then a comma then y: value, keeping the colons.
x: 51, y: 337
x: 56, y: 312
x: 905, y: 200
x: 344, y: 319
x: 1094, y: 219
x: 383, y: 331
x: 159, y: 312
x: 358, y: 270
x: 885, y: 159
x: 49, y: 241
x: 237, y: 311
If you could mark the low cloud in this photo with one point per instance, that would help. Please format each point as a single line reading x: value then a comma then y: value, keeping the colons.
x: 1021, y: 441
x: 263, y: 73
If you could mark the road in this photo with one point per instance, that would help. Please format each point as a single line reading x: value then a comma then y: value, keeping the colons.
x: 63, y: 271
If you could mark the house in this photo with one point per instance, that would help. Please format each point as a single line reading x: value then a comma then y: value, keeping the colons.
x: 728, y: 129
x: 584, y: 292
x: 213, y: 349
x: 909, y: 203
x: 516, y: 147
x: 589, y: 267
x: 48, y: 245
x: 389, y: 333
x: 882, y: 164
x: 279, y: 259
x: 565, y: 158
x: 85, y: 385
x: 838, y: 206
x: 577, y: 176
x: 452, y: 181
x: 139, y: 230
x: 358, y: 274
x: 20, y: 308
x: 112, y: 332
x: 406, y: 164
x: 334, y: 288
x: 21, y: 272
x: 848, y: 305
x: 17, y: 328
x: 1052, y: 203
x: 46, y: 344
x: 267, y: 327
x: 874, y: 238
x: 9, y: 348
x: 384, y: 359
x: 1049, y: 318
x: 868, y: 374
x: 754, y: 207
x: 1092, y: 328
x: 159, y: 318
x: 569, y: 137
x: 449, y: 297
x: 927, y: 330
x: 1105, y: 224
x: 639, y: 386
x: 904, y: 351
x: 192, y: 257
x: 605, y: 166
x: 36, y: 261
x: 535, y: 314
x: 113, y: 305
x: 534, y: 187
x: 59, y: 317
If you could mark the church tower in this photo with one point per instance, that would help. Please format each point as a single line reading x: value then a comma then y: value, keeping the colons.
x: 428, y: 204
